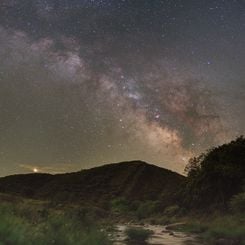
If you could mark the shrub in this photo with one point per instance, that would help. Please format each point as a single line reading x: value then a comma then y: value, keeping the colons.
x: 237, y: 203
x: 229, y: 227
x: 172, y: 210
x: 120, y: 205
x: 54, y: 227
x: 138, y: 234
x: 146, y: 209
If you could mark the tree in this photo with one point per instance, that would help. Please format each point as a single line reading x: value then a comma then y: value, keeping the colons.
x: 214, y: 177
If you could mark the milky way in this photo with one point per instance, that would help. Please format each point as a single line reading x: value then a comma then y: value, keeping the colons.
x: 84, y: 83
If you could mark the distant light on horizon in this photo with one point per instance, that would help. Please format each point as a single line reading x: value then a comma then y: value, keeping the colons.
x: 35, y: 170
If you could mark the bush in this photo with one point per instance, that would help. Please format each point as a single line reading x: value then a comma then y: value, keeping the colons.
x: 60, y: 227
x: 237, y: 203
x: 172, y: 210
x: 229, y: 227
x: 146, y: 209
x: 138, y: 234
x: 120, y: 205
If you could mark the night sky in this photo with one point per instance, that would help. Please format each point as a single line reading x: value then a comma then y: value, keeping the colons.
x: 89, y: 82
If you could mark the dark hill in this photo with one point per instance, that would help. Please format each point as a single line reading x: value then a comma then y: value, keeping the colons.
x: 132, y: 180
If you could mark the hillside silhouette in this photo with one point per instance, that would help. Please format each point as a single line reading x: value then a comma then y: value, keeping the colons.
x: 213, y: 179
x: 134, y: 180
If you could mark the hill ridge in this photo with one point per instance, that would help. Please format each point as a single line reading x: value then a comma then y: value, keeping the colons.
x: 135, y: 180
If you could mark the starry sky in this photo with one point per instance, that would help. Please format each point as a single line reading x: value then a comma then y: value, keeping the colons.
x: 89, y: 82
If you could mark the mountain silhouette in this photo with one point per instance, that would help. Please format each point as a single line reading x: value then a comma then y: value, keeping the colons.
x: 134, y: 180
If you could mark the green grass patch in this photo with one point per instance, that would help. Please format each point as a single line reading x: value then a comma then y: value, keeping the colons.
x: 32, y: 222
x: 230, y: 227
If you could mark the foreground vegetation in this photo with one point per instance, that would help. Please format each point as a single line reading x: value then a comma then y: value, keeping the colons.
x: 217, y: 229
x: 139, y: 235
x: 33, y: 222
x: 216, y: 184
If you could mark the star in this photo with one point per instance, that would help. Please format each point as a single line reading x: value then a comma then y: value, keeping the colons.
x: 81, y: 79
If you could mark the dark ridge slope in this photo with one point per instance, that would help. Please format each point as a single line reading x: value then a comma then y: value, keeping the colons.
x: 133, y: 180
x: 24, y: 184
